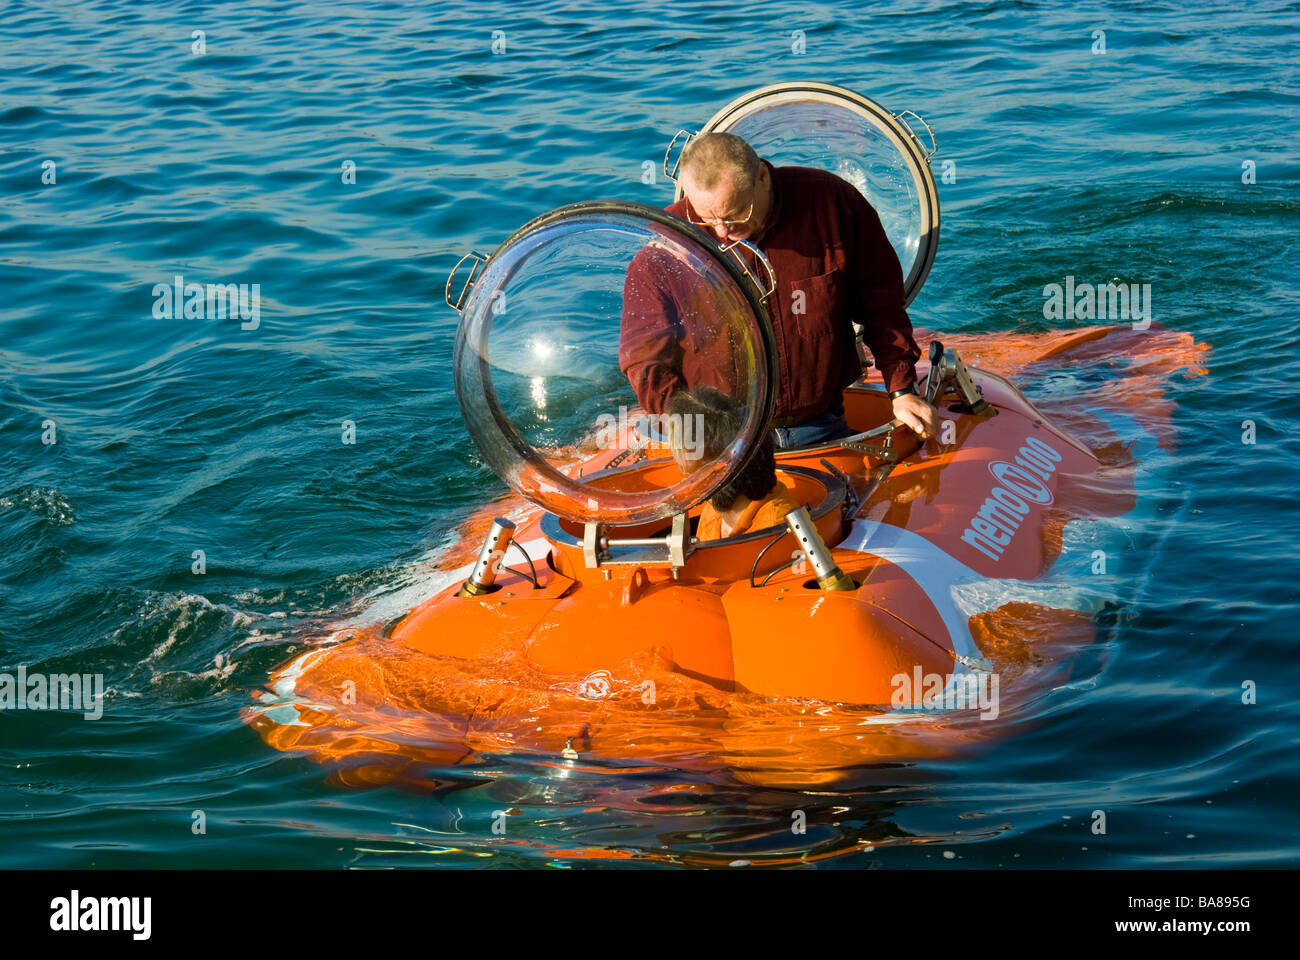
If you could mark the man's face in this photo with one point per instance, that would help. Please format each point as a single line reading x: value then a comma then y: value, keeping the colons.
x: 731, y: 199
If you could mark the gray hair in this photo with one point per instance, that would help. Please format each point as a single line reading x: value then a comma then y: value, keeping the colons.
x: 710, y: 156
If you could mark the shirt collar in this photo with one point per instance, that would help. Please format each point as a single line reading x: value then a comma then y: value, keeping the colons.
x: 774, y: 213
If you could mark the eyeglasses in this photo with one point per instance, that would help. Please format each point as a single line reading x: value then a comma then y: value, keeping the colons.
x: 699, y: 222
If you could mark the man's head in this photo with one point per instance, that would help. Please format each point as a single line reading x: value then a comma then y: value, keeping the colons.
x: 726, y: 185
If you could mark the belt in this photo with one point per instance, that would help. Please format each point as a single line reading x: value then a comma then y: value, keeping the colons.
x: 781, y: 423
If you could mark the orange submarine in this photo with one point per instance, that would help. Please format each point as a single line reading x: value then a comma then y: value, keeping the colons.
x: 897, y: 613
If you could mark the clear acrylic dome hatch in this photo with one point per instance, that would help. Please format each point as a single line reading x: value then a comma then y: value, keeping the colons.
x: 831, y: 128
x: 614, y: 328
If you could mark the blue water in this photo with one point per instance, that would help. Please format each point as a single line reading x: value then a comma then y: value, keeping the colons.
x: 177, y: 435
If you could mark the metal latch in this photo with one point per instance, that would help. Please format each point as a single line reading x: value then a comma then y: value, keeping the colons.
x: 671, y: 174
x: 947, y: 369
x: 479, y: 259
x: 601, y: 550
x: 885, y: 451
x: 934, y: 144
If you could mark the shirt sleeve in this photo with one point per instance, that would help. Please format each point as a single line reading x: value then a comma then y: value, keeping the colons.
x: 876, y: 283
x: 650, y: 340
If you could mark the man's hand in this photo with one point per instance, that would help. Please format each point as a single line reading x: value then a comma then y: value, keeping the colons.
x: 917, y: 414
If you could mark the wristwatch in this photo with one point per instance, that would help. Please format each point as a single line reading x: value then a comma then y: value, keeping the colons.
x: 910, y: 388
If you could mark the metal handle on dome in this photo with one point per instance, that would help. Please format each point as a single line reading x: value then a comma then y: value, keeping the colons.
x: 672, y: 174
x: 934, y: 143
x: 764, y: 292
x: 479, y: 259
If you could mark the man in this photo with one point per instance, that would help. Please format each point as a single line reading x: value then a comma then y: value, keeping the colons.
x: 833, y: 265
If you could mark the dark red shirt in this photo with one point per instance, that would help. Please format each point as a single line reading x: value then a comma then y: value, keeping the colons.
x: 824, y: 240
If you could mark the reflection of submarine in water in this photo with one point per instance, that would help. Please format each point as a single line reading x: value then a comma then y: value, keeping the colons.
x: 593, y: 621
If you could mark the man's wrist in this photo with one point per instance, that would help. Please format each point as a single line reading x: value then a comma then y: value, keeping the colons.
x: 910, y: 388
